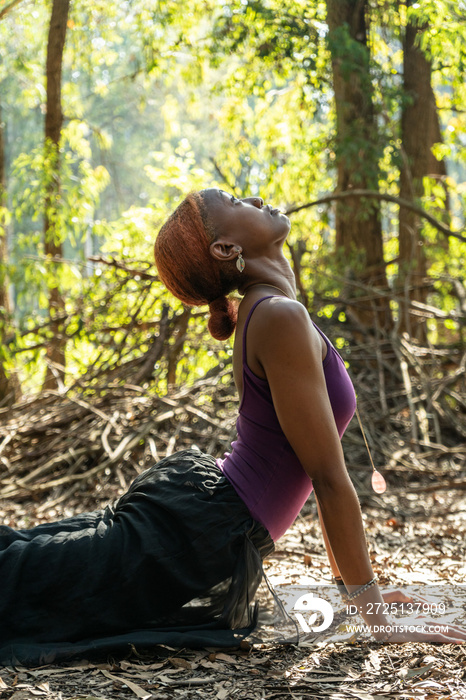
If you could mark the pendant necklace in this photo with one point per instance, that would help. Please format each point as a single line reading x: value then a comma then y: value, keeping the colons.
x: 377, y: 481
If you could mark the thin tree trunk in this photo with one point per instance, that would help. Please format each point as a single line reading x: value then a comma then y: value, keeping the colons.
x: 438, y: 168
x: 420, y: 129
x: 4, y: 301
x: 52, y: 239
x: 358, y: 222
x: 4, y: 306
x: 9, y: 385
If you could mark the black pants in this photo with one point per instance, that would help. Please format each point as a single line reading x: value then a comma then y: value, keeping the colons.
x: 176, y: 561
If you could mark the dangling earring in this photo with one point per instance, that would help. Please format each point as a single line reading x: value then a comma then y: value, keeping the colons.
x: 240, y: 264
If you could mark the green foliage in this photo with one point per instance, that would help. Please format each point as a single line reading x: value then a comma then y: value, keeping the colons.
x: 160, y: 98
x: 71, y: 213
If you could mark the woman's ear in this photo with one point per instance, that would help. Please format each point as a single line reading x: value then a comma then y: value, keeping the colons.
x: 223, y: 251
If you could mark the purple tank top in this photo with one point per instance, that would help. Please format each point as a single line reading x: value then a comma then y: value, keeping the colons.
x: 262, y: 466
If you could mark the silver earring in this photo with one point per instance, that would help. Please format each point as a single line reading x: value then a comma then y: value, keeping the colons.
x: 240, y: 264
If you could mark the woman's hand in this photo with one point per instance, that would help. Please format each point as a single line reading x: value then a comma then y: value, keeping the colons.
x: 377, y: 609
x: 417, y: 628
x: 399, y: 597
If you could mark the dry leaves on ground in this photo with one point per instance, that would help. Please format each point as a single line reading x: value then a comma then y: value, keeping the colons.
x: 427, y: 540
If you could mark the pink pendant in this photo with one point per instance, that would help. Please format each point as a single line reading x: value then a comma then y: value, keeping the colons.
x: 378, y: 482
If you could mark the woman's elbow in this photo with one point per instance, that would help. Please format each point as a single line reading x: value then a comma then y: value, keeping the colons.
x: 332, y: 484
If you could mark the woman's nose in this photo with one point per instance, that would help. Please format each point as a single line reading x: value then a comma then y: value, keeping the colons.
x: 256, y: 201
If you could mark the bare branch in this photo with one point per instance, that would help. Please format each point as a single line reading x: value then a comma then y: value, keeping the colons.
x: 387, y: 198
x: 9, y: 7
x: 222, y: 175
x: 117, y: 264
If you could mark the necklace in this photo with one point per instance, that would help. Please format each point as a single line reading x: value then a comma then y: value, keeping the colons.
x: 264, y: 284
x: 377, y: 481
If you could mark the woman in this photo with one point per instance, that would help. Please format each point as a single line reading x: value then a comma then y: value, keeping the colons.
x: 296, y: 398
x: 178, y: 559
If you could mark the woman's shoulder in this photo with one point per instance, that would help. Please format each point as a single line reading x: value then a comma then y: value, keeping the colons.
x: 283, y: 327
x: 270, y: 311
x: 279, y: 321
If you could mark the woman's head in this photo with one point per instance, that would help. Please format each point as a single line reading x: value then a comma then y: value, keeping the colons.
x: 198, y: 248
x: 187, y: 268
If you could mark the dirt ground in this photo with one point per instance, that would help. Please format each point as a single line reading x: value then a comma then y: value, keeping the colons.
x: 414, y: 538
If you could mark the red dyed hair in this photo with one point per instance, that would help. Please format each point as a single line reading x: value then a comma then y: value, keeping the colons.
x: 189, y: 271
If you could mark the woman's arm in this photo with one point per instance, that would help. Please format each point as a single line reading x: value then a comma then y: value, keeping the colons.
x: 288, y: 348
x: 328, y: 548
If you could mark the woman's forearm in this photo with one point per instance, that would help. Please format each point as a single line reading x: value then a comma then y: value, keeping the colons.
x: 342, y: 523
x: 331, y: 558
x: 342, y: 519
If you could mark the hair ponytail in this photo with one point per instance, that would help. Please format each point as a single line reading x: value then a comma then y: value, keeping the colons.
x: 222, y: 320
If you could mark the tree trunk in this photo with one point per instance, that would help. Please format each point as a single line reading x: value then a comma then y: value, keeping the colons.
x: 52, y: 239
x: 9, y: 384
x: 358, y: 223
x: 420, y: 129
x: 4, y: 306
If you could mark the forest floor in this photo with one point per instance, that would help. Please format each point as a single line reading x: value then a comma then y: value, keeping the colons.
x: 414, y: 538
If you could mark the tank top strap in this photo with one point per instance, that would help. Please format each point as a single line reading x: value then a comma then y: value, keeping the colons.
x: 270, y: 296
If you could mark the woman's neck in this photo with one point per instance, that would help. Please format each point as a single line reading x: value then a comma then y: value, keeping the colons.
x: 269, y: 272
x: 288, y: 292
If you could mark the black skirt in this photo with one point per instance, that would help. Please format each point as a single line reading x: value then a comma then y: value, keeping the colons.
x: 176, y: 561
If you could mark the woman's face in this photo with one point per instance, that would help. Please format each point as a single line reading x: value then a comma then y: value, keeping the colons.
x: 245, y: 222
